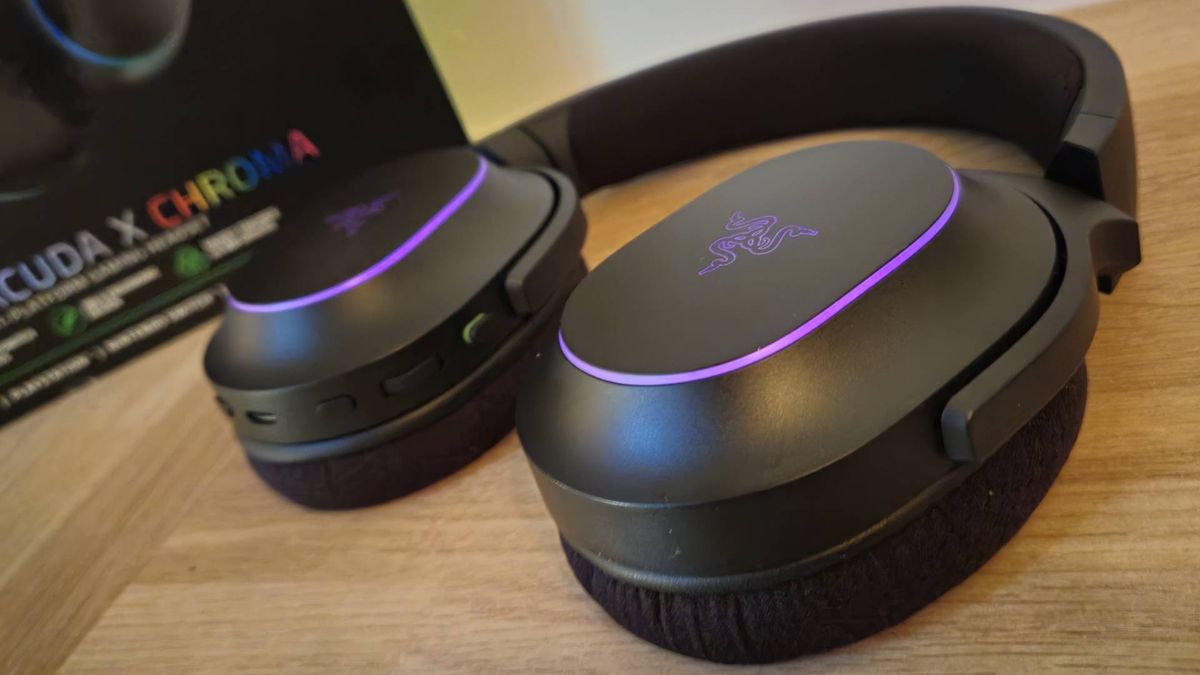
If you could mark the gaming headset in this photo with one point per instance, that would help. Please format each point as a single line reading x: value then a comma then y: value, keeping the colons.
x: 787, y: 416
x: 55, y: 57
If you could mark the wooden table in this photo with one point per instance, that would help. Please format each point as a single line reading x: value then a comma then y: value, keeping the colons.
x: 133, y: 538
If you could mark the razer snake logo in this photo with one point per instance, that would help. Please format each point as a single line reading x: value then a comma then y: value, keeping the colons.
x: 758, y: 236
x: 351, y: 220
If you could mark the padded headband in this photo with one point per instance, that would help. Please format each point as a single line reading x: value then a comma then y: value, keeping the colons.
x: 1048, y: 85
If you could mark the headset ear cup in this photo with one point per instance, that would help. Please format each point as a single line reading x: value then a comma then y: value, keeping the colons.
x: 45, y: 146
x: 872, y: 590
x: 48, y: 78
x: 43, y: 109
x: 411, y: 462
x: 111, y: 44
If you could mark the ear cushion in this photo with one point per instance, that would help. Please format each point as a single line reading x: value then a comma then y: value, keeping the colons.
x: 875, y: 589
x: 411, y: 462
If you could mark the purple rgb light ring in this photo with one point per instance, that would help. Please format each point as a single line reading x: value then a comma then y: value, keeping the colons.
x: 792, y: 337
x: 443, y: 214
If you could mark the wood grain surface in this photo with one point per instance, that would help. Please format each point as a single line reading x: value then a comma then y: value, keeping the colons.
x: 133, y: 537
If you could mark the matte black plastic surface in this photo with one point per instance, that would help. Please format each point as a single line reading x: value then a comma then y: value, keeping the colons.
x: 1101, y: 243
x: 345, y: 232
x: 552, y: 257
x: 756, y: 257
x: 1047, y: 84
x: 472, y: 417
x: 867, y: 592
x: 436, y: 419
x: 793, y: 459
x: 364, y: 342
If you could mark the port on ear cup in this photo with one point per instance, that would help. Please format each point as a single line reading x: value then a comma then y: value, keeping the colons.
x: 411, y: 462
x: 872, y: 590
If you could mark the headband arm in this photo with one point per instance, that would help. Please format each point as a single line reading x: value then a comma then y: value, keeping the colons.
x: 1052, y: 87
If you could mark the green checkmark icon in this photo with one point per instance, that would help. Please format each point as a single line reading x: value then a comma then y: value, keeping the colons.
x: 66, y: 320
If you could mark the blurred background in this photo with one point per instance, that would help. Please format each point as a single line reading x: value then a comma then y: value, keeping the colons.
x: 501, y: 61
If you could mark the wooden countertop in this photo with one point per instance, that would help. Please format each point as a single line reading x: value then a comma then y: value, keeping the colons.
x: 135, y: 539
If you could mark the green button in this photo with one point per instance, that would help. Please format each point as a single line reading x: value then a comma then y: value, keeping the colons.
x: 470, y: 332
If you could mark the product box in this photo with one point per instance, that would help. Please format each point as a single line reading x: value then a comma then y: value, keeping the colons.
x: 267, y: 104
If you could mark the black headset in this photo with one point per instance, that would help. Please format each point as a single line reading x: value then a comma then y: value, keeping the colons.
x: 809, y: 402
x: 787, y: 416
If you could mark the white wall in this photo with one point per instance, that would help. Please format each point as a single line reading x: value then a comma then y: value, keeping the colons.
x: 504, y: 59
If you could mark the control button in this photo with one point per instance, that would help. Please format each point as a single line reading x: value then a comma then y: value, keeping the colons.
x: 471, y: 331
x: 336, y: 407
x: 259, y: 417
x: 413, y: 377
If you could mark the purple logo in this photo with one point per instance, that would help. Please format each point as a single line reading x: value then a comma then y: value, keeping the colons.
x: 758, y: 235
x: 350, y: 221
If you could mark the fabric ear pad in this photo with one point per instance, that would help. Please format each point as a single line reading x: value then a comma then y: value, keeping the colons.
x: 875, y: 589
x: 411, y: 462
